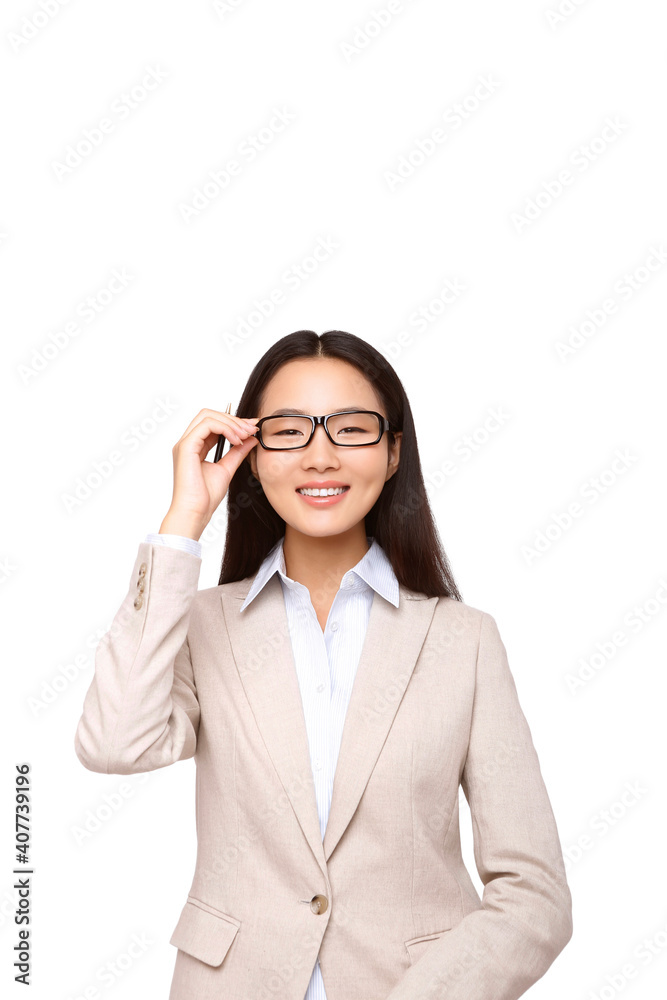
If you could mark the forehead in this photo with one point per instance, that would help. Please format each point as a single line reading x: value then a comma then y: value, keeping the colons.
x: 319, y: 385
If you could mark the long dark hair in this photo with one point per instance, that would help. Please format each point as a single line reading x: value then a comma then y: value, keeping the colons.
x: 400, y: 520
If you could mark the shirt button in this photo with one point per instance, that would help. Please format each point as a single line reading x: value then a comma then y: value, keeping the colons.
x: 317, y: 764
x: 320, y: 687
x: 334, y: 626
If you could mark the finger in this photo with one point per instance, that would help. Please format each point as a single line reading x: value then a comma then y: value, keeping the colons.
x: 229, y: 418
x: 238, y: 451
x: 205, y: 432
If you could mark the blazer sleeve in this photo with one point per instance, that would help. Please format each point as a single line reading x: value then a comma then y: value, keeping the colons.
x: 141, y: 711
x: 500, y: 950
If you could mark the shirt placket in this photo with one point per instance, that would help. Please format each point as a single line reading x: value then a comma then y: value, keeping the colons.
x: 319, y: 721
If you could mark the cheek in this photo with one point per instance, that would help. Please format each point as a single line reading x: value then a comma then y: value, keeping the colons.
x: 371, y: 475
x: 273, y: 470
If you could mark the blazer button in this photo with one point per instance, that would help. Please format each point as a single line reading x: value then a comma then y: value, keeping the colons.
x: 138, y: 601
x: 140, y: 584
x: 318, y: 904
x: 142, y: 569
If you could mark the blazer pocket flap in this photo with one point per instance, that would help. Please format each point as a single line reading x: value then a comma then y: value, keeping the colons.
x: 204, y: 932
x: 417, y: 946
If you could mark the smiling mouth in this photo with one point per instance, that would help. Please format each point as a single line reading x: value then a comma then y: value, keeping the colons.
x: 330, y: 492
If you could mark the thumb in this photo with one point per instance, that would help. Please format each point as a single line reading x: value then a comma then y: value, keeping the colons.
x: 237, y: 452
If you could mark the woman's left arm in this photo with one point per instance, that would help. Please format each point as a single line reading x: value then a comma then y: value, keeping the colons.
x: 499, y: 951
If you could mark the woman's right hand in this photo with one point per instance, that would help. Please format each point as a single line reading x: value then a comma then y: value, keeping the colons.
x: 200, y: 486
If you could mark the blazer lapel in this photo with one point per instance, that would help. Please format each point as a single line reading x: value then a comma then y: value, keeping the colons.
x: 262, y: 650
x: 392, y: 644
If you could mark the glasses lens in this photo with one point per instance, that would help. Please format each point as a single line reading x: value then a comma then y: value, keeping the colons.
x: 286, y: 432
x: 351, y: 429
x: 357, y: 428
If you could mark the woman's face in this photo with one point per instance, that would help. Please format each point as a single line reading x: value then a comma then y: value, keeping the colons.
x: 323, y: 385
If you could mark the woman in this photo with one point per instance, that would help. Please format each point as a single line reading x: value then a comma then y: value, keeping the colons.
x: 336, y: 640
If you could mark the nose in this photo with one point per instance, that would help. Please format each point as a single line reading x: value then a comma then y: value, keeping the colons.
x: 320, y: 446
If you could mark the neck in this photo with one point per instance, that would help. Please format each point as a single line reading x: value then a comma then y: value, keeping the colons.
x: 320, y: 563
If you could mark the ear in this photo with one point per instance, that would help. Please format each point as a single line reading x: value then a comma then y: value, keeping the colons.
x: 394, y: 454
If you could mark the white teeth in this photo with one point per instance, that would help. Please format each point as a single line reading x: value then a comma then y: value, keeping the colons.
x: 323, y: 493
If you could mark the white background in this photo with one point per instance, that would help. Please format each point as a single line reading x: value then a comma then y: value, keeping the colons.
x: 360, y: 98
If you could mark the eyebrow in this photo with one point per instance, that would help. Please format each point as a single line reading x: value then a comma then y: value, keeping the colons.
x: 293, y: 409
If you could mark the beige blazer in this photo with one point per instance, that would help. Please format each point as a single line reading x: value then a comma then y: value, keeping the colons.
x: 386, y: 900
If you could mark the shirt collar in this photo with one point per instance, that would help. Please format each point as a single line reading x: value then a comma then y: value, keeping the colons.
x: 373, y: 570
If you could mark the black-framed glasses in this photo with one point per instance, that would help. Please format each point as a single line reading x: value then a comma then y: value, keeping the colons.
x: 347, y: 429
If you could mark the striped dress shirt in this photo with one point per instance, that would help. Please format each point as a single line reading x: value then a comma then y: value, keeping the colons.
x: 326, y: 661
